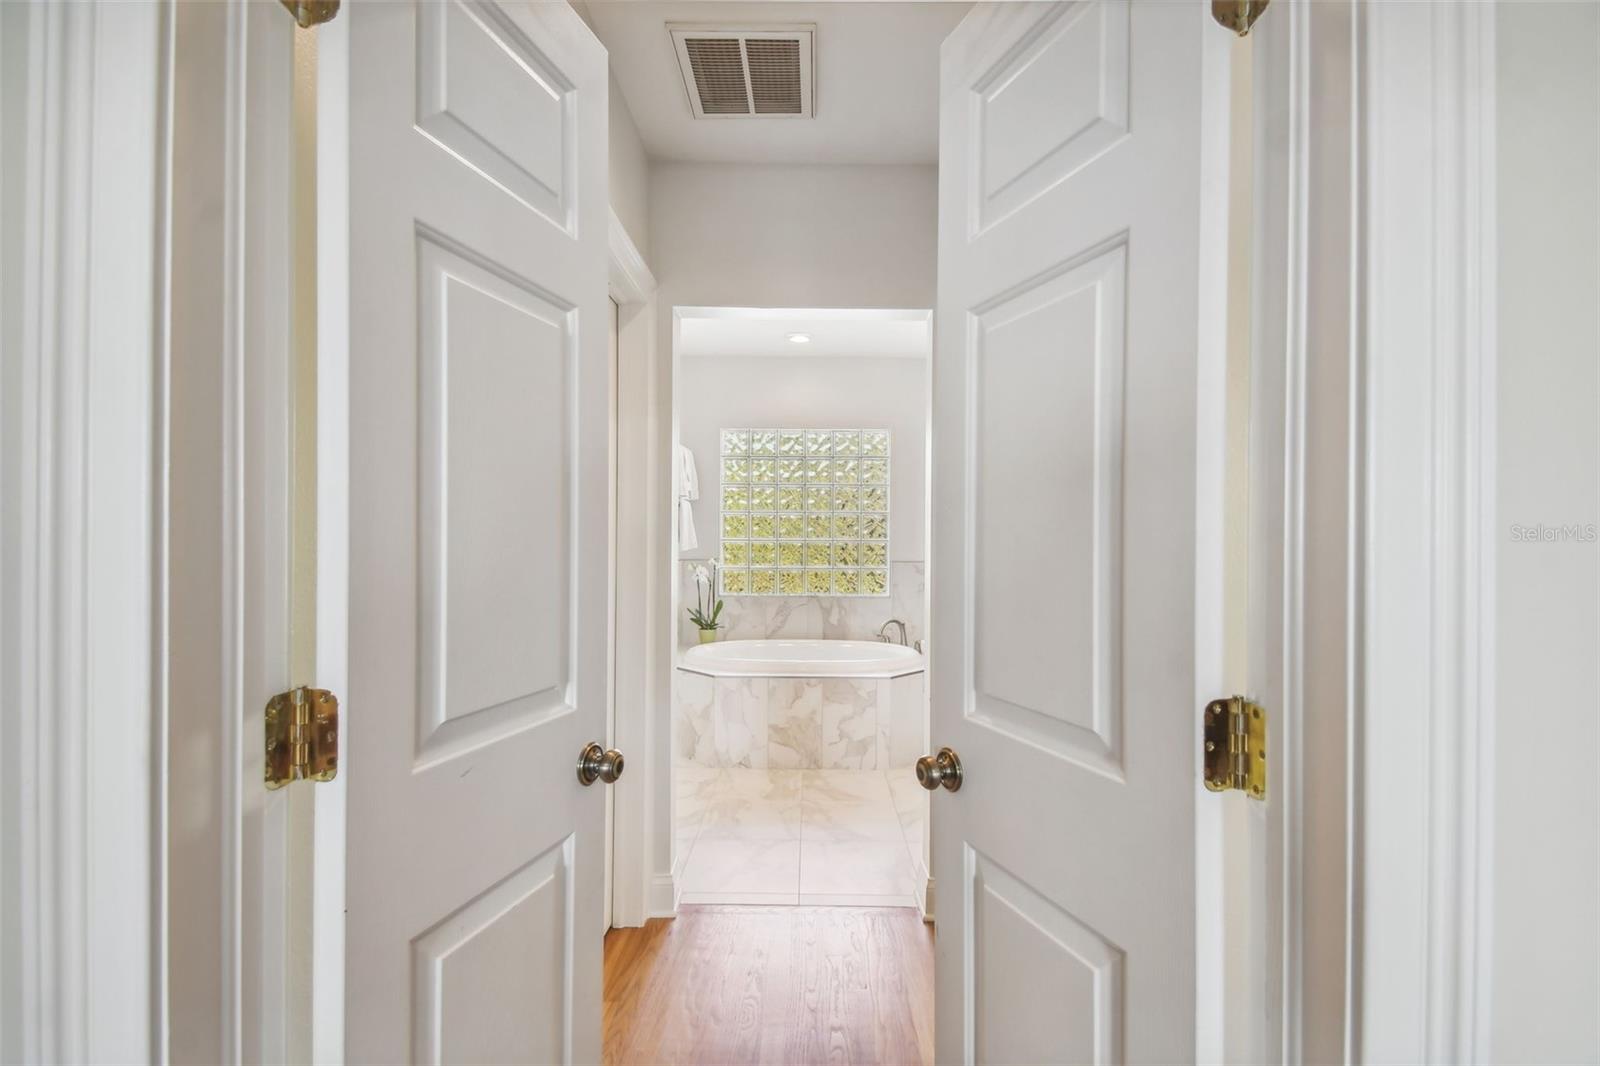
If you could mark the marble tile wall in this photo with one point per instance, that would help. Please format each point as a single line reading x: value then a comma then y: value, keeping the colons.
x: 811, y: 617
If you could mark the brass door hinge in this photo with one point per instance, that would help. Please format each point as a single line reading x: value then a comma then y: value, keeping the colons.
x: 1236, y: 746
x: 1236, y: 15
x: 302, y: 736
x: 309, y: 13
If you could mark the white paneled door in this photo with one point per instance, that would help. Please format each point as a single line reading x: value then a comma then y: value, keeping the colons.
x: 1077, y: 484
x: 478, y: 425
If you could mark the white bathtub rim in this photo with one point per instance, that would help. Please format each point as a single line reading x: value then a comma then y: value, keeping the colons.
x: 775, y: 667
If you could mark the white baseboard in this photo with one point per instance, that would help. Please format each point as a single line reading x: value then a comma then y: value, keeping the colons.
x: 663, y: 901
x: 925, y: 903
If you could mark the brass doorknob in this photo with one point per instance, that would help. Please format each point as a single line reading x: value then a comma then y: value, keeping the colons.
x: 595, y: 763
x: 941, y: 769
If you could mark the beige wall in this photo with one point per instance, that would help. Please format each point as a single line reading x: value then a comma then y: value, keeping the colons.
x: 630, y: 173
x: 793, y: 236
x: 1546, y: 900
x: 629, y: 165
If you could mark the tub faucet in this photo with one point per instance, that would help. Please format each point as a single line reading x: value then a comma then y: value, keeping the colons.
x: 883, y: 636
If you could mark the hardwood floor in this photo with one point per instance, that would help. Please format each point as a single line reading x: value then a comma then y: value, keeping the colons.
x: 718, y: 986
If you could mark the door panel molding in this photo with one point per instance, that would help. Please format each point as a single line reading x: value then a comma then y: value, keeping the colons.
x: 460, y: 42
x: 1086, y: 726
x: 1022, y: 921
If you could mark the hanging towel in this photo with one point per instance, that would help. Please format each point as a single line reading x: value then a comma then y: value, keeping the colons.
x: 688, y: 492
x: 688, y: 478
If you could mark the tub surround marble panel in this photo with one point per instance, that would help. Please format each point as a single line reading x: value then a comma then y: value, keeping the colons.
x: 694, y: 701
x: 794, y: 722
x: 798, y: 723
x: 739, y: 722
x: 903, y: 731
x: 850, y: 723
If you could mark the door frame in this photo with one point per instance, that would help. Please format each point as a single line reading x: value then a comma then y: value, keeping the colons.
x: 633, y: 585
x: 83, y: 503
x: 1372, y: 498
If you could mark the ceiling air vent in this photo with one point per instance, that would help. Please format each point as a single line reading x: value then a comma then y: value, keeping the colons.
x: 758, y: 72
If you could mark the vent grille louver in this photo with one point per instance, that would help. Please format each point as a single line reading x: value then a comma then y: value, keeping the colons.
x: 760, y: 72
x: 718, y: 70
x: 774, y: 76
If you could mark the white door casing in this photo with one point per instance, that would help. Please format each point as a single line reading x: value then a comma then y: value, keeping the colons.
x: 1078, y: 374
x: 478, y: 430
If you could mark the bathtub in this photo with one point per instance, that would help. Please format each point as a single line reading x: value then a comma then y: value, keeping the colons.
x: 801, y: 704
x: 802, y: 658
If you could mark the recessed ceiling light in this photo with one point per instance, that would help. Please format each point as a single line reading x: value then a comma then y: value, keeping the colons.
x: 799, y: 338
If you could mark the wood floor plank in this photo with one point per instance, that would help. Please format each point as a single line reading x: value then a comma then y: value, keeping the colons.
x: 729, y: 986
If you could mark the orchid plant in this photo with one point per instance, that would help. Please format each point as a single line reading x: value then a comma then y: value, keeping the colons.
x: 708, y: 607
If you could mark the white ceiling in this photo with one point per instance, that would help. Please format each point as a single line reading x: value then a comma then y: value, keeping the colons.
x: 759, y: 332
x: 877, y: 80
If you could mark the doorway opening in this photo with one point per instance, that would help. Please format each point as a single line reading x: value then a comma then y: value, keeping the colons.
x: 799, y: 622
x: 799, y: 703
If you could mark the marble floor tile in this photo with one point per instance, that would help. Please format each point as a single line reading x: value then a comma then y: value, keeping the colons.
x: 819, y: 837
x: 845, y: 805
x: 855, y: 868
x: 742, y: 865
x: 756, y: 805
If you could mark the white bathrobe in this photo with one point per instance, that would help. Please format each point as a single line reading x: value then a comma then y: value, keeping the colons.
x: 688, y: 492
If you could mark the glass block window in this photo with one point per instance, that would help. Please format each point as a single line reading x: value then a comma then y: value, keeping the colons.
x: 805, y: 512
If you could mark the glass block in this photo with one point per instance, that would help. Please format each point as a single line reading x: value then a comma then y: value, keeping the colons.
x: 805, y: 512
